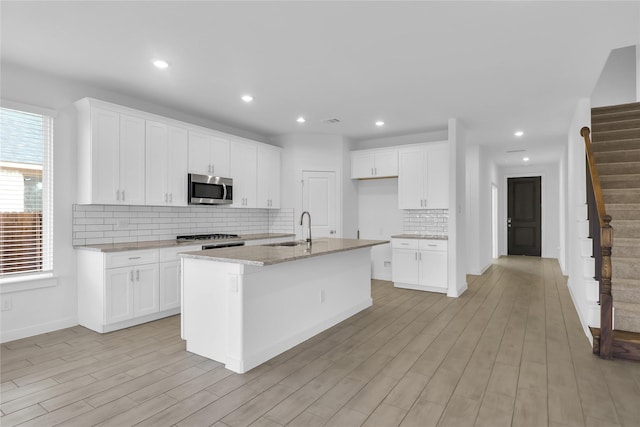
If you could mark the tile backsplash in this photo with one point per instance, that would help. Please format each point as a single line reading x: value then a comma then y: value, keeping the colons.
x: 99, y: 224
x: 426, y: 221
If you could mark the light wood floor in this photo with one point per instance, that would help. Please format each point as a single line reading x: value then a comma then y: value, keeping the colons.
x: 510, y: 351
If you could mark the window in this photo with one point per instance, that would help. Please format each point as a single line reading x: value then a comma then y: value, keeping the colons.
x: 26, y: 232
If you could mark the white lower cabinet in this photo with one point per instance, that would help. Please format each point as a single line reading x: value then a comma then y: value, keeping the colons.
x: 419, y: 264
x: 121, y: 289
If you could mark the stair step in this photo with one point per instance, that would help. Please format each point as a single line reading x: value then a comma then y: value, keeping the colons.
x: 620, y: 181
x: 627, y: 195
x: 626, y: 228
x: 625, y: 268
x: 597, y: 119
x: 633, y: 123
x: 614, y: 168
x: 625, y: 290
x: 625, y: 247
x: 609, y: 109
x: 622, y: 156
x: 616, y: 145
x: 627, y: 316
x: 616, y: 134
x: 623, y: 210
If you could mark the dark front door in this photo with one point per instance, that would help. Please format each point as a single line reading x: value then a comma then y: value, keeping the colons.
x: 523, y: 222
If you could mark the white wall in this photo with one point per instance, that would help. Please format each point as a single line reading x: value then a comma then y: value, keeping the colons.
x: 316, y: 152
x: 457, y: 252
x: 379, y: 218
x: 581, y: 288
x: 550, y: 205
x: 50, y: 308
x: 617, y: 82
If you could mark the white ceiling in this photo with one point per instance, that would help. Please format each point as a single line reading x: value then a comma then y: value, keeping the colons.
x: 496, y: 66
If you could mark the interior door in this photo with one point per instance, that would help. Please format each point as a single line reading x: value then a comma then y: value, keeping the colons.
x: 524, y: 216
x: 319, y: 198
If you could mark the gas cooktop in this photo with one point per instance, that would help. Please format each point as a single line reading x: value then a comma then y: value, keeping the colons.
x: 216, y: 236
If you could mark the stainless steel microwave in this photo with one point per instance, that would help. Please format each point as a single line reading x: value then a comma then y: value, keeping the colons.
x: 210, y: 190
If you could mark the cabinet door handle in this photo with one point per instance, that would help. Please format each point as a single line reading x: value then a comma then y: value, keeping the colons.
x: 135, y: 257
x: 117, y: 194
x: 123, y: 195
x: 138, y: 275
x: 170, y: 197
x: 166, y: 198
x: 375, y: 171
x: 371, y: 171
x: 213, y: 168
x: 419, y: 256
x: 132, y: 275
x: 415, y: 256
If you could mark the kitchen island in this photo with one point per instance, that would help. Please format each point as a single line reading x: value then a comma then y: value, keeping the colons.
x: 242, y: 306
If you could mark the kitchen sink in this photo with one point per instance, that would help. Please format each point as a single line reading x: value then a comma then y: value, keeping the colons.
x: 294, y: 243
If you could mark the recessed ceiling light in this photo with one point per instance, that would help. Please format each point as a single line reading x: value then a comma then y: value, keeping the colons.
x: 519, y: 133
x: 525, y: 159
x: 379, y: 123
x: 159, y: 63
x: 247, y: 98
x: 300, y: 119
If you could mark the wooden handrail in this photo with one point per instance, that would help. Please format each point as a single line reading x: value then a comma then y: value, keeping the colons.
x: 605, y: 347
x: 595, y: 178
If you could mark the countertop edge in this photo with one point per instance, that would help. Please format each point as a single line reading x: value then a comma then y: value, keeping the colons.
x: 161, y: 244
x: 420, y: 237
x: 295, y: 257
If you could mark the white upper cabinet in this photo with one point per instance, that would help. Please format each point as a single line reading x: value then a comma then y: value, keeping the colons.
x: 208, y: 154
x: 268, y: 185
x: 243, y: 156
x: 376, y: 163
x: 166, y: 165
x: 423, y: 177
x: 111, y: 156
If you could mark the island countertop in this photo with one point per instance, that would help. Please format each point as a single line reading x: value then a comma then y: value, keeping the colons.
x: 268, y: 255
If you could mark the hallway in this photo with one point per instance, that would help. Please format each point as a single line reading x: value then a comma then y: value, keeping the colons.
x: 510, y: 351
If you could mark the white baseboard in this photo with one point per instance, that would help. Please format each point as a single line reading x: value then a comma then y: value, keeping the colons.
x: 43, y: 328
x: 583, y: 321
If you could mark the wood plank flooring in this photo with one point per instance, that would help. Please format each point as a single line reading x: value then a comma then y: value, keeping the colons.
x: 510, y: 351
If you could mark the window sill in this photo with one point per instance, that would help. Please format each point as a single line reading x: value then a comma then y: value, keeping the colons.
x: 27, y: 282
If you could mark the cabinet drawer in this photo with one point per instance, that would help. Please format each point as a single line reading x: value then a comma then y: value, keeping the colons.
x: 405, y: 243
x: 124, y: 259
x: 171, y: 254
x: 433, y: 245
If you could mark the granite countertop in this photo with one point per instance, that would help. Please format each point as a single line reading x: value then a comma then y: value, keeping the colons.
x: 268, y: 255
x: 420, y: 236
x: 156, y: 244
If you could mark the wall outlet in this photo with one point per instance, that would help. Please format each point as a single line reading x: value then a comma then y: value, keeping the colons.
x: 6, y: 303
x: 321, y: 296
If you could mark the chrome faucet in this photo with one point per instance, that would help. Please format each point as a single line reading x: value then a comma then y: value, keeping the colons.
x: 301, y: 218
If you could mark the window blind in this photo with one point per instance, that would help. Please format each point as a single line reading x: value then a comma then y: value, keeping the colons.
x: 26, y: 214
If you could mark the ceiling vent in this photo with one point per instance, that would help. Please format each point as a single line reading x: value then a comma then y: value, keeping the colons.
x: 516, y: 151
x: 331, y: 120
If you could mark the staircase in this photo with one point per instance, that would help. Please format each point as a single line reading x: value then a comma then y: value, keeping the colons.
x: 616, y: 143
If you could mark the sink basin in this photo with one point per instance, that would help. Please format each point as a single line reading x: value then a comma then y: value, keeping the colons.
x: 295, y: 243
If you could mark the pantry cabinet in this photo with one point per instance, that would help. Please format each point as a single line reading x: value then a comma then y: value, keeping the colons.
x: 419, y: 264
x: 111, y: 156
x: 268, y: 171
x: 166, y: 165
x: 423, y: 176
x: 244, y: 160
x: 375, y: 163
x: 208, y: 154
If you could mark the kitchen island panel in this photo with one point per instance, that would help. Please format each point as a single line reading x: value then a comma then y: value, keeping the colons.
x: 243, y: 315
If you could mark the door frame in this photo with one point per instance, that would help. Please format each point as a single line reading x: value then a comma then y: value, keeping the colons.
x: 504, y: 207
x: 337, y: 201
